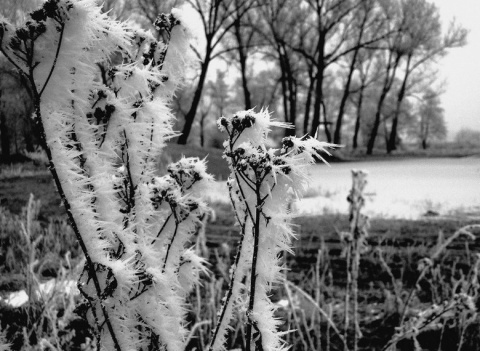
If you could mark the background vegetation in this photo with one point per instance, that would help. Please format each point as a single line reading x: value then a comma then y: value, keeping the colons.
x: 363, y: 72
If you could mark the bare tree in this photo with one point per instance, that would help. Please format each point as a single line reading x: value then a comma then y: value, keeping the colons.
x: 366, y: 77
x: 423, y: 41
x: 431, y: 119
x: 364, y: 20
x: 218, y: 17
x: 389, y: 57
x: 280, y: 28
x: 331, y: 35
x: 331, y: 24
x: 246, y: 41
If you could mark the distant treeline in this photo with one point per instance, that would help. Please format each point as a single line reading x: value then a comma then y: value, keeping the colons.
x: 359, y: 72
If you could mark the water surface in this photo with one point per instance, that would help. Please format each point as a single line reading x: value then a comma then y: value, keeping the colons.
x: 408, y: 188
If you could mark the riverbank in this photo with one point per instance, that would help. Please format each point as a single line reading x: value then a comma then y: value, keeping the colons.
x: 443, y: 150
x: 409, y: 188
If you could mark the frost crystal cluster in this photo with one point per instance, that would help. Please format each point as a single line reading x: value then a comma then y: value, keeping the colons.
x: 101, y: 92
x: 102, y: 137
x: 261, y: 184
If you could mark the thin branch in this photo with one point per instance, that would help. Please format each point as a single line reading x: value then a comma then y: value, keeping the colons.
x: 172, y: 239
x: 161, y: 229
x: 54, y: 60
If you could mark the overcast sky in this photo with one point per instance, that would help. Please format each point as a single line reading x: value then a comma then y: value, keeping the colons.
x: 461, y: 67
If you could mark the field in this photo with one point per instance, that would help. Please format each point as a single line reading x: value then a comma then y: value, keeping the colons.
x: 316, y: 298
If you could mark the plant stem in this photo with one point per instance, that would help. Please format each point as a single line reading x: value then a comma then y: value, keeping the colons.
x: 66, y: 204
x: 253, y: 276
x: 229, y: 294
x: 172, y: 239
x: 355, y: 271
x: 347, y: 293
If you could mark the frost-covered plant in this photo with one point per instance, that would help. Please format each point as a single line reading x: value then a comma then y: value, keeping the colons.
x: 101, y: 139
x: 261, y: 181
x: 459, y: 309
x: 355, y: 243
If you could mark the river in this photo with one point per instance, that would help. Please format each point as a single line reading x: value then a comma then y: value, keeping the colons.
x: 405, y: 188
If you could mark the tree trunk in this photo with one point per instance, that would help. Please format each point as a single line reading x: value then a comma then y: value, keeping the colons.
x: 306, y: 118
x: 5, y: 138
x: 392, y: 141
x: 242, y: 58
x: 319, y: 86
x: 337, y: 138
x: 425, y: 136
x: 385, y: 131
x: 386, y: 88
x: 359, y: 116
x: 292, y: 98
x: 288, y: 89
x: 190, y: 116
x: 283, y: 81
x: 202, y: 130
x: 325, y: 123
x: 27, y: 136
x: 293, y: 108
x: 376, y: 123
x: 317, y: 107
x: 15, y: 138
x: 246, y: 91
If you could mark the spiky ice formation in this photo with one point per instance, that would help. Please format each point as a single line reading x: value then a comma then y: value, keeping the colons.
x: 104, y: 126
x: 261, y: 183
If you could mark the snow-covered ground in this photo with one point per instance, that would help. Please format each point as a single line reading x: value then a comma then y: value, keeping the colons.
x: 396, y: 188
x: 44, y: 290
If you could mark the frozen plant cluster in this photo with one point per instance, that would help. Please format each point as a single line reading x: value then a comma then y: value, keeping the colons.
x: 261, y: 184
x: 102, y: 137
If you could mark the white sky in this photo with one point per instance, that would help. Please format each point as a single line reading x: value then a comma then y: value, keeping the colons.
x: 461, y: 67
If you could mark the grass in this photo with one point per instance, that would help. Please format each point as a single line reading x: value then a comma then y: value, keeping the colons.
x: 15, y: 192
x: 318, y: 263
x: 18, y: 171
x: 35, y: 255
